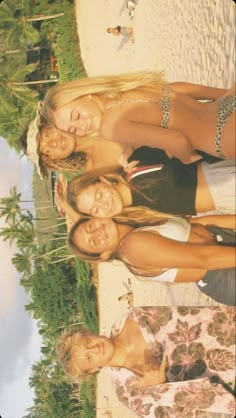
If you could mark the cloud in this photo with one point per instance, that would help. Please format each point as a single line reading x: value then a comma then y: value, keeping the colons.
x: 14, y: 172
x: 19, y: 339
x: 15, y: 334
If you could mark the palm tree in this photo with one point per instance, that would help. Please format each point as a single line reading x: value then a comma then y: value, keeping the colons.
x: 20, y: 28
x: 10, y: 206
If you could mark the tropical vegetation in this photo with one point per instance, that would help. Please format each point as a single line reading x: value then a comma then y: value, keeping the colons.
x: 61, y: 296
x: 29, y: 26
x: 59, y: 286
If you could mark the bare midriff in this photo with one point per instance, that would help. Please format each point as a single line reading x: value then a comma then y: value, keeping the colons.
x: 204, y: 201
x: 198, y: 235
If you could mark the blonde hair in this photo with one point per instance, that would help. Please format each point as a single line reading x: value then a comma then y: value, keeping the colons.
x: 74, y: 163
x: 66, y: 351
x: 106, y: 86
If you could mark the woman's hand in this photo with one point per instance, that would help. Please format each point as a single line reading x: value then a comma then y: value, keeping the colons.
x: 127, y: 167
x: 60, y: 192
x: 153, y: 377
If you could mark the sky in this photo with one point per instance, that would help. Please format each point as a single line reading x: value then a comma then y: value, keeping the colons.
x: 19, y: 339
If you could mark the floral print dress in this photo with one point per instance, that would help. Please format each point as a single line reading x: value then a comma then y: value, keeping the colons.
x: 200, y: 345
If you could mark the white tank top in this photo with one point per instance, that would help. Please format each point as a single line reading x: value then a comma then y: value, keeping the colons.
x: 177, y: 229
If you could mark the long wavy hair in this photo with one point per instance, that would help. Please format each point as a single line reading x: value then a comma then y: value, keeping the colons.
x: 157, y: 218
x: 135, y: 214
x: 103, y: 86
x: 74, y: 163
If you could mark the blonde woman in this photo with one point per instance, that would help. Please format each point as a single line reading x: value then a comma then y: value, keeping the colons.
x: 163, y: 361
x: 50, y: 148
x: 141, y: 109
x: 165, y: 249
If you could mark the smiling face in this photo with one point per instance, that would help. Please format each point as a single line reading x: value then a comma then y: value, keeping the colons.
x: 96, y: 236
x: 100, y: 199
x: 81, y: 116
x: 56, y: 144
x: 91, y: 352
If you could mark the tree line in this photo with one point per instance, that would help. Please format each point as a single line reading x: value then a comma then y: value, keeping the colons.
x: 61, y: 296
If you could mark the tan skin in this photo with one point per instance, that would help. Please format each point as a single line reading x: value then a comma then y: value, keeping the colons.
x: 192, y: 259
x: 128, y: 350
x: 57, y: 144
x: 192, y: 124
x: 195, y: 258
x: 203, y: 202
x: 139, y: 357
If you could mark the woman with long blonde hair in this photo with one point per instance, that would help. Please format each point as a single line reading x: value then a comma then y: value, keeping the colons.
x: 141, y: 109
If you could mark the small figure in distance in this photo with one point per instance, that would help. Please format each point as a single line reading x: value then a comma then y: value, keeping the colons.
x: 122, y: 30
x: 131, y: 7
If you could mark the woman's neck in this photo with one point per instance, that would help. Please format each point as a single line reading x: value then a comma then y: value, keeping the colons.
x: 125, y: 193
x: 121, y: 349
x: 123, y: 230
x: 84, y: 144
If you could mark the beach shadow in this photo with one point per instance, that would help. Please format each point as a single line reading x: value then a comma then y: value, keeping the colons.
x: 123, y: 42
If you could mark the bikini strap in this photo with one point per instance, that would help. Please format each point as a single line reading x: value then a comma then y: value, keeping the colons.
x: 164, y: 102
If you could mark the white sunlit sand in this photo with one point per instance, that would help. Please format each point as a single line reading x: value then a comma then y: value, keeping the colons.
x: 191, y: 41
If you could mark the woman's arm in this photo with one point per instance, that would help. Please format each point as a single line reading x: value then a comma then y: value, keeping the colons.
x: 223, y: 221
x: 153, y: 376
x: 174, y: 143
x: 197, y: 91
x: 60, y: 191
x: 161, y: 252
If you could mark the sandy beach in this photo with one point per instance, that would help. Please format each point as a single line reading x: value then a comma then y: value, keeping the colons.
x: 189, y: 41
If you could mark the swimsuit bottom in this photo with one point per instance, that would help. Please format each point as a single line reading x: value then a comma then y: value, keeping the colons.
x: 220, y: 284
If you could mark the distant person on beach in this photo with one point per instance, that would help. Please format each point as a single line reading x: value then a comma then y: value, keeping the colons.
x: 163, y: 361
x: 164, y: 248
x: 131, y: 4
x: 122, y: 30
x: 142, y: 109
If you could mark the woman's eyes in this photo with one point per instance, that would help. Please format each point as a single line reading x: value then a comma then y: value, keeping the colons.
x: 88, y: 227
x: 92, y: 243
x: 47, y: 152
x: 98, y: 195
x: 74, y: 116
x: 72, y: 130
x: 94, y: 211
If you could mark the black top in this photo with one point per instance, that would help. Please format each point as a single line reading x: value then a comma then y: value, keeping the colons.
x: 172, y: 188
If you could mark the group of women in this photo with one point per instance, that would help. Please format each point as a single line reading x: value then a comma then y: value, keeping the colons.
x: 175, y: 198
